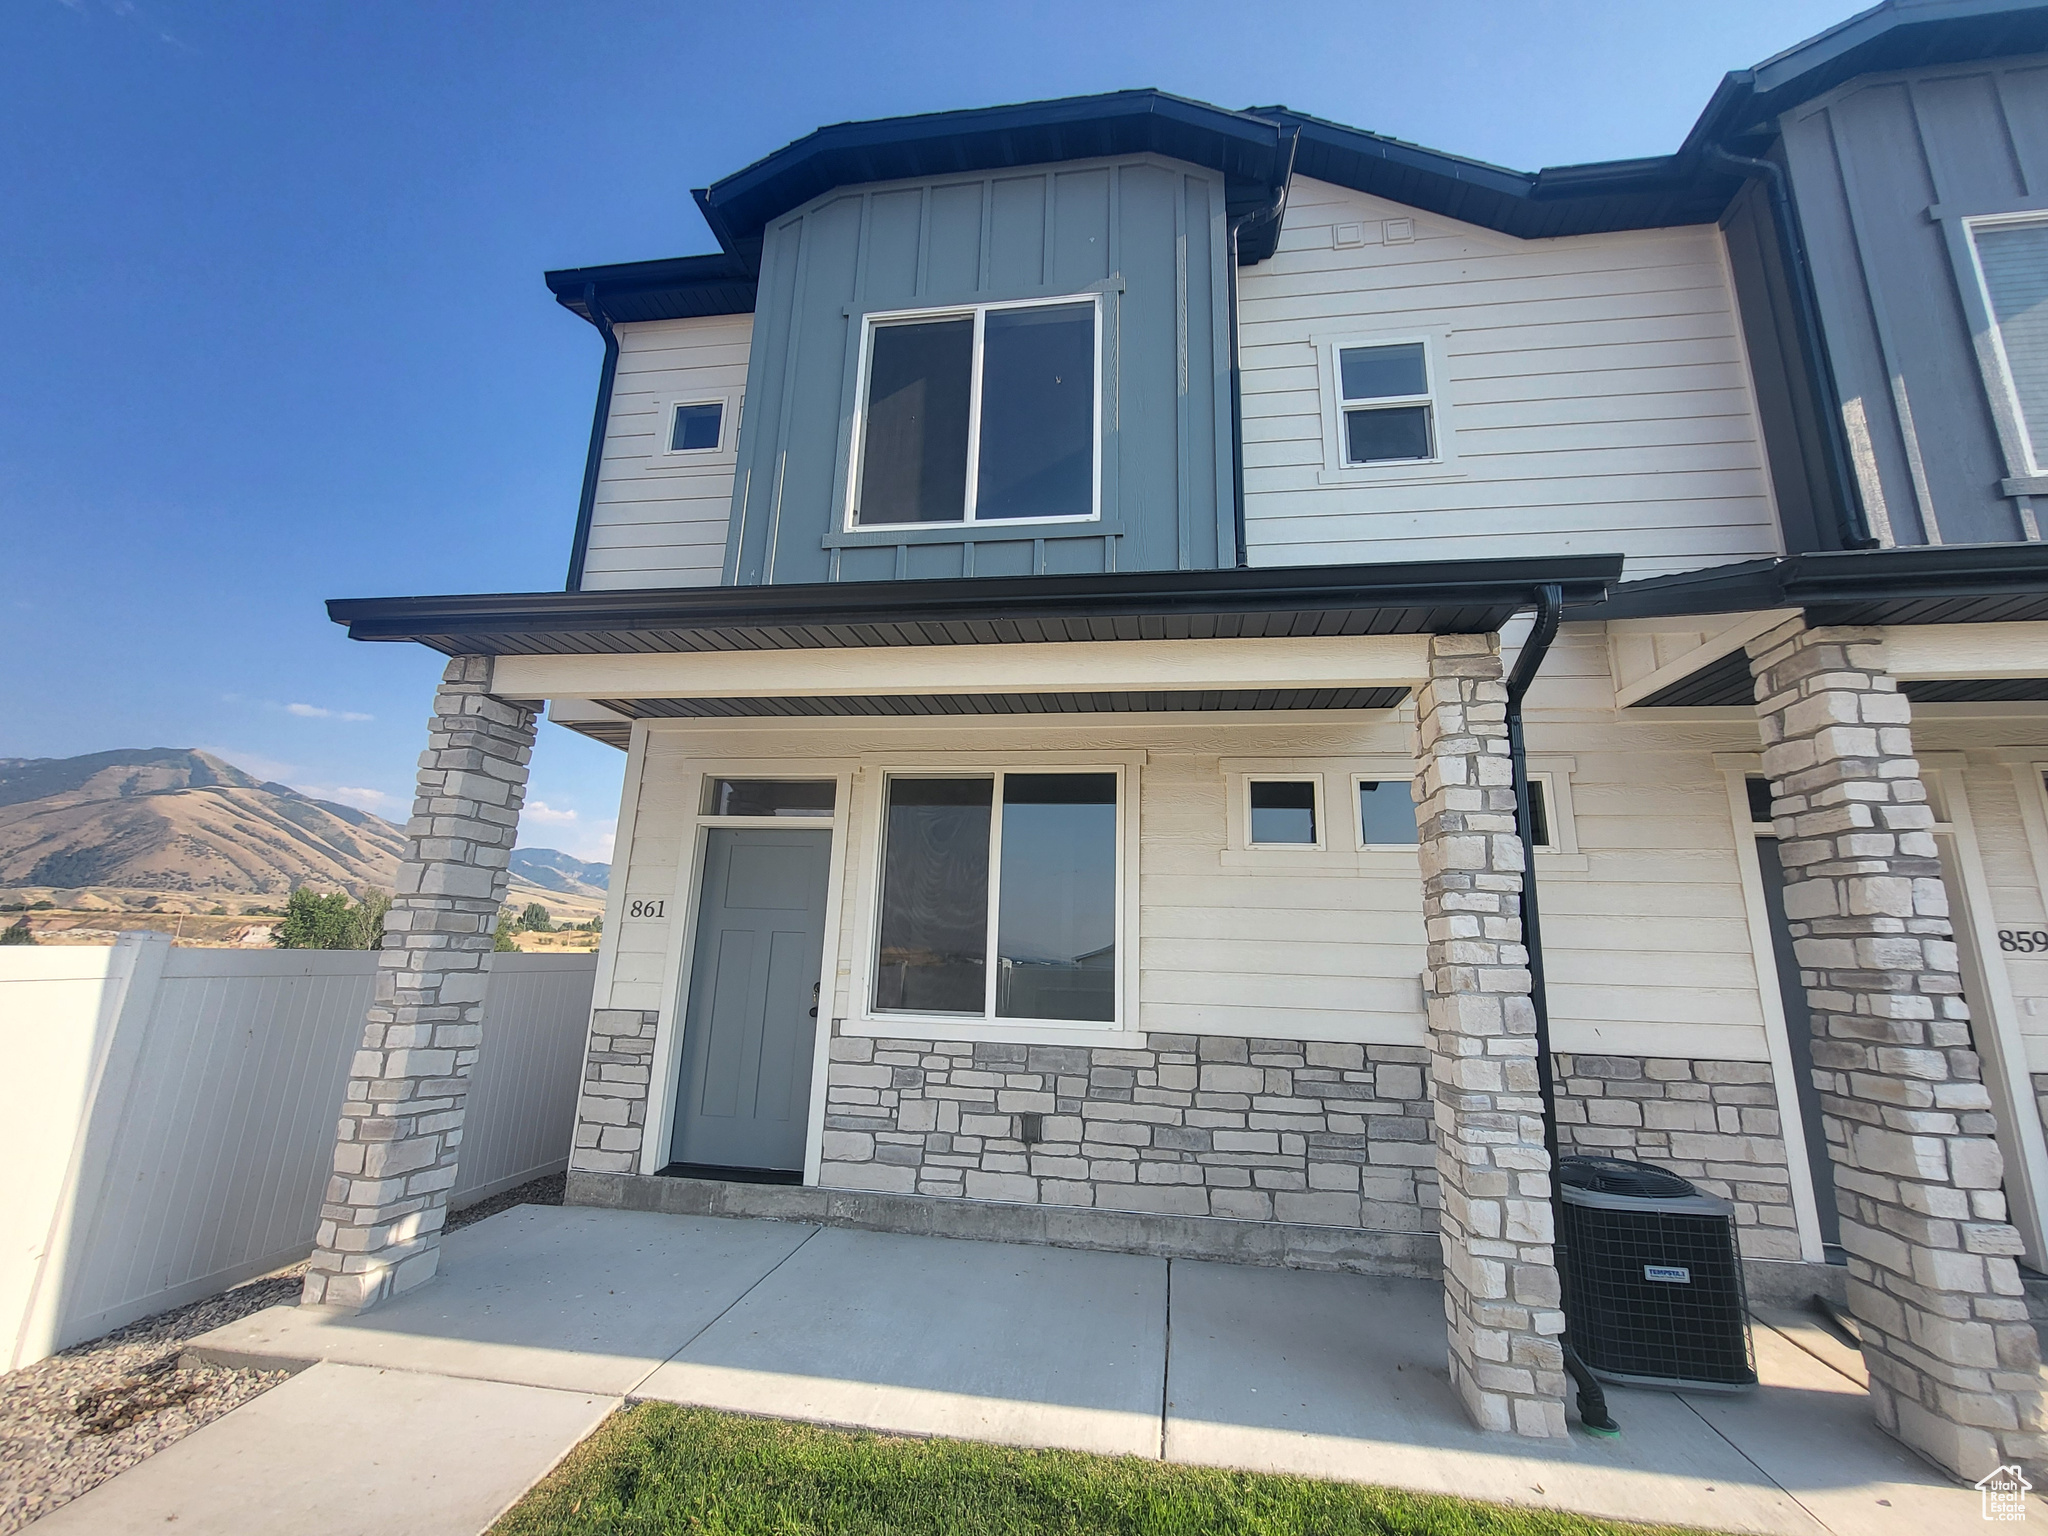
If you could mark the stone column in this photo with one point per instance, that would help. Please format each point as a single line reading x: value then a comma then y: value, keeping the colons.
x: 1932, y: 1280
x: 1501, y: 1293
x: 401, y: 1123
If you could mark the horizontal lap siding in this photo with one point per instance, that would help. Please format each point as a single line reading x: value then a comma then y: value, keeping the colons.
x: 1644, y: 927
x: 657, y: 521
x: 1597, y: 393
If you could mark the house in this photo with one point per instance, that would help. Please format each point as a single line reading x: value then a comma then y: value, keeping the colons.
x: 1124, y: 616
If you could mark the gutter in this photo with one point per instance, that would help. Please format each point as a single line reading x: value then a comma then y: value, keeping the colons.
x: 1851, y: 523
x: 1272, y: 211
x: 587, y: 503
x: 1549, y: 610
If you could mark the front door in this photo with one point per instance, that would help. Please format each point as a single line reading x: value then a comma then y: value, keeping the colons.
x: 744, y: 1097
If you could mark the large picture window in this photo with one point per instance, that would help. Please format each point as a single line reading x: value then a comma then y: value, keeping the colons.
x: 1021, y: 867
x: 981, y: 415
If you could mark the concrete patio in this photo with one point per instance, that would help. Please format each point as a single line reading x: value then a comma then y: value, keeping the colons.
x: 566, y: 1311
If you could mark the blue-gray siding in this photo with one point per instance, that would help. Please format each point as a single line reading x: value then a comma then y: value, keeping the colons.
x: 1147, y: 234
x: 1868, y: 164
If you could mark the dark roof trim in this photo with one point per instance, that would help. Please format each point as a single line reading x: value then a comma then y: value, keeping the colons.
x: 894, y: 706
x: 1251, y: 149
x: 1248, y: 150
x: 676, y: 288
x: 1943, y: 584
x: 1561, y: 200
x: 1448, y: 597
x: 1899, y: 34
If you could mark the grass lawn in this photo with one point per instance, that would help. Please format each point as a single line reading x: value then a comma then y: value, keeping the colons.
x: 656, y: 1468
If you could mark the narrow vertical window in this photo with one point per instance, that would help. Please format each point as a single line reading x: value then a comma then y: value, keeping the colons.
x: 1539, y: 814
x: 1388, y: 410
x: 1056, y: 918
x: 932, y: 955
x: 2014, y: 261
x: 914, y: 457
x: 1037, y: 413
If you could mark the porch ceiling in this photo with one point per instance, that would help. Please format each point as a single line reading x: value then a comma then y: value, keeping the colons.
x: 1298, y: 602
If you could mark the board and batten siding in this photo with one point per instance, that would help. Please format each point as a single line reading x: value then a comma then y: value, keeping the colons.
x: 659, y: 520
x: 1597, y: 396
x: 1870, y: 163
x: 1145, y: 235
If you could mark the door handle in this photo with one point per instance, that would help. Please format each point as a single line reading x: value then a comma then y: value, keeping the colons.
x: 814, y: 998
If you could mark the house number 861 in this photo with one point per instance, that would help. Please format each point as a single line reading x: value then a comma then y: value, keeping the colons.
x: 653, y: 909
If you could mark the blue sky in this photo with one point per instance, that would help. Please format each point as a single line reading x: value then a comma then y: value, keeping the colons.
x: 274, y: 329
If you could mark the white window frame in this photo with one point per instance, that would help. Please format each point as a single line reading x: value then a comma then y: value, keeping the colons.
x: 988, y: 1024
x: 979, y: 313
x: 1337, y: 468
x: 665, y: 428
x: 1322, y: 811
x: 1361, y: 776
x: 2011, y: 414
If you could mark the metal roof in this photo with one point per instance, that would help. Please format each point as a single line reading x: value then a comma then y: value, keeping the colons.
x: 1436, y: 597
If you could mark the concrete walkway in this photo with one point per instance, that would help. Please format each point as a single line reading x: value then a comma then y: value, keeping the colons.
x: 1268, y: 1369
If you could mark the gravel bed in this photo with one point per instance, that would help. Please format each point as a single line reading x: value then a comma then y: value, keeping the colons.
x: 72, y: 1421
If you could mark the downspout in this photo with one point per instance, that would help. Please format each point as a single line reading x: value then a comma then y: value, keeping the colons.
x: 595, y: 460
x: 1851, y: 522
x: 1272, y: 210
x: 1549, y: 610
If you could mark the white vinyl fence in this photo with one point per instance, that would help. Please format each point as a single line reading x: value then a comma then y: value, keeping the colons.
x: 170, y: 1115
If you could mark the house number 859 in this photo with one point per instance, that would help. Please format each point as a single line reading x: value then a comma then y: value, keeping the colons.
x: 653, y: 909
x: 2026, y: 941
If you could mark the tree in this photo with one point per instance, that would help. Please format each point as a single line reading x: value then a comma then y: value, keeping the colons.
x: 502, y: 940
x: 332, y: 921
x: 535, y: 919
x: 17, y: 934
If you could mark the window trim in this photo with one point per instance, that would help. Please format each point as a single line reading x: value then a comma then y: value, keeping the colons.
x: 873, y: 320
x: 1337, y: 468
x: 1322, y: 811
x: 869, y: 1019
x: 1362, y: 776
x: 2025, y: 474
x: 665, y: 457
x: 1997, y: 365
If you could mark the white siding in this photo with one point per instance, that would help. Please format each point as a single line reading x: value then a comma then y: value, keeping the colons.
x: 1645, y: 923
x: 660, y: 521
x: 1597, y: 394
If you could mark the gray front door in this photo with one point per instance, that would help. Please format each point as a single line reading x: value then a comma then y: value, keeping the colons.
x: 745, y: 1092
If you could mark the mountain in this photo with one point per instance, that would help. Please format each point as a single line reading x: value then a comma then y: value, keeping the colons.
x: 176, y: 822
x: 553, y: 871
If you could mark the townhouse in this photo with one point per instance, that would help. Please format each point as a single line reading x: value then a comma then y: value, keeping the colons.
x: 1214, y: 683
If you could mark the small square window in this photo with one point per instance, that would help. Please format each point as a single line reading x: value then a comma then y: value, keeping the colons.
x: 696, y: 428
x: 1389, y: 412
x: 1283, y: 812
x: 1386, y: 813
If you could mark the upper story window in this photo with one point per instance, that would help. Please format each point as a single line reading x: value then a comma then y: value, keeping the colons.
x: 983, y: 414
x: 1388, y: 409
x: 2012, y: 263
x: 696, y: 426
